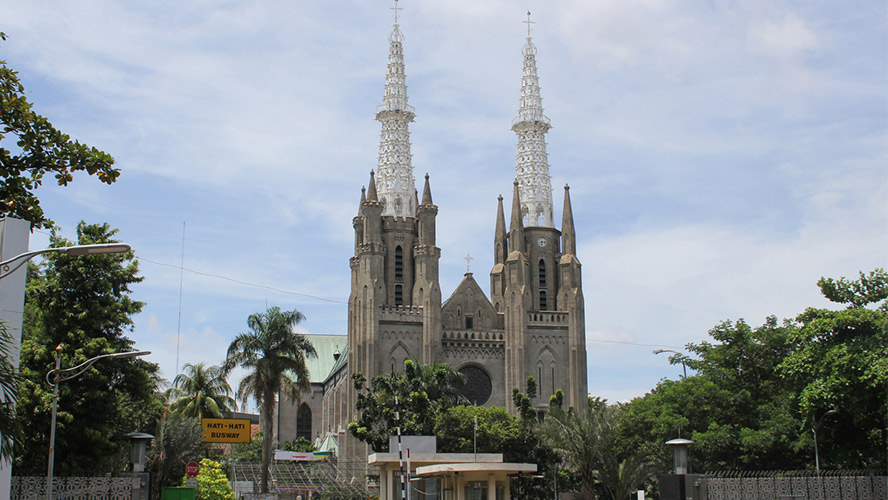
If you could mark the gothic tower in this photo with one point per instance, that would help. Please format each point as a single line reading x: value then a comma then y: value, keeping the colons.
x: 535, y: 281
x: 533, y: 322
x: 395, y: 300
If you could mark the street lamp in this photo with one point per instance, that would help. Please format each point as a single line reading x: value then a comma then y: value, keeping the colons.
x: 814, y: 430
x: 8, y: 267
x: 59, y: 375
x: 684, y: 369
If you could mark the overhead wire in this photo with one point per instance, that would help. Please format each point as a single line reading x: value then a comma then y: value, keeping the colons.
x: 336, y: 301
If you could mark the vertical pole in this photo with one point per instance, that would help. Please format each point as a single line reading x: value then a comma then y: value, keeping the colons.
x: 556, y: 480
x: 52, y: 429
x: 400, y: 452
x: 475, y: 437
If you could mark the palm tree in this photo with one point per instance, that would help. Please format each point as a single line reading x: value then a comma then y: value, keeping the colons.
x: 202, y: 392
x: 275, y: 357
x: 588, y: 442
x: 10, y: 430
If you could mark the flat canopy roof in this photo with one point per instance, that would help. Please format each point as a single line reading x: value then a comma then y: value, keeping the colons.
x: 435, y: 458
x: 508, y: 468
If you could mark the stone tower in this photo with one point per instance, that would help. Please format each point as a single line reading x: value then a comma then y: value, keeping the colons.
x: 531, y: 323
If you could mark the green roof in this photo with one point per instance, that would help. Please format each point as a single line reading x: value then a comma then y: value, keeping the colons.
x: 325, y: 345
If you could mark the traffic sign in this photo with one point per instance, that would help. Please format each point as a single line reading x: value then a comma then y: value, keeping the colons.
x: 225, y: 430
x: 192, y: 469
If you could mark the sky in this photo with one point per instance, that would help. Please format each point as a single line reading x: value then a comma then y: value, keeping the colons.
x: 722, y: 155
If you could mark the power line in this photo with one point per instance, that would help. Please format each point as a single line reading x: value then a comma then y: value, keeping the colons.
x: 246, y: 283
x: 334, y: 301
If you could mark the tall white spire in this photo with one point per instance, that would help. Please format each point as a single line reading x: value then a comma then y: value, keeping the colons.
x: 394, y: 173
x: 532, y: 165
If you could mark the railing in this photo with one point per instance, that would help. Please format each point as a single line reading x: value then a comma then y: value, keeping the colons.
x: 74, y: 488
x: 769, y: 485
x: 547, y: 318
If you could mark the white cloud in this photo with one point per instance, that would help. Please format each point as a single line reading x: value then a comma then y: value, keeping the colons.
x: 722, y: 157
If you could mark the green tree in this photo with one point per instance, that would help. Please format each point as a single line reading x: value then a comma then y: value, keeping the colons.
x: 177, y: 440
x: 201, y: 391
x: 422, y: 392
x: 10, y: 429
x: 82, y: 305
x: 497, y: 430
x: 736, y: 407
x: 275, y: 357
x: 588, y: 441
x: 758, y: 391
x: 528, y: 446
x: 39, y: 149
x: 841, y: 362
x: 579, y: 439
x: 212, y: 484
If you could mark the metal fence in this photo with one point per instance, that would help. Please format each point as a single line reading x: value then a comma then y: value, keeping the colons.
x: 339, y: 479
x: 74, y: 488
x: 771, y: 485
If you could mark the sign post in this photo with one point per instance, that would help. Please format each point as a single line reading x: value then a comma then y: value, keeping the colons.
x: 192, y: 469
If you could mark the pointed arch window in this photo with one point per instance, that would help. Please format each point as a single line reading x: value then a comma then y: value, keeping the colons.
x: 543, y: 277
x: 399, y: 263
x: 303, y: 422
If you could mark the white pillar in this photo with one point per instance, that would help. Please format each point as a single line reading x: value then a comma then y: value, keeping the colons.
x: 491, y: 487
x: 458, y: 486
x: 383, y: 485
x: 507, y: 494
x: 14, y: 235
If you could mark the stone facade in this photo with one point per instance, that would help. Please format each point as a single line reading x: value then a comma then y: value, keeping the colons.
x: 532, y: 322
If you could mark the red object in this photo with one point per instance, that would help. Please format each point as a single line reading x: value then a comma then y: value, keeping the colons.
x: 192, y: 469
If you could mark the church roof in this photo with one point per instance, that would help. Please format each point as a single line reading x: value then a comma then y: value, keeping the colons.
x: 326, y: 346
x: 468, y: 283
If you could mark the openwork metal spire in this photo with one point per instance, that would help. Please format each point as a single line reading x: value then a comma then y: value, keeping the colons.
x: 531, y: 125
x: 395, y: 182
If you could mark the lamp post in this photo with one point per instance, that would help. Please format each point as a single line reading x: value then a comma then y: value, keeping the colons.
x: 684, y: 368
x: 8, y: 267
x: 58, y: 375
x: 816, y: 426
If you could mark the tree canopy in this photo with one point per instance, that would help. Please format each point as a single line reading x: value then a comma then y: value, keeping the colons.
x: 758, y: 391
x: 201, y: 391
x: 39, y: 150
x: 83, y: 306
x: 422, y: 392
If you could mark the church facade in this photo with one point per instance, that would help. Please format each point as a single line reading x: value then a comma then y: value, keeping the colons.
x: 532, y: 322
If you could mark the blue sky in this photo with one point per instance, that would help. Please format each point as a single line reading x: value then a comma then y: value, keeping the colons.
x: 722, y: 155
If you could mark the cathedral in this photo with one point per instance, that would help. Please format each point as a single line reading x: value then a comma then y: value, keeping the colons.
x: 531, y: 323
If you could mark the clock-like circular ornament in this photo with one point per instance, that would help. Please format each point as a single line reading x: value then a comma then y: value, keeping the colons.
x: 541, y: 241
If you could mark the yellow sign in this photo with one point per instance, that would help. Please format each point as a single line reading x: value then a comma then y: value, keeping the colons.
x: 225, y: 430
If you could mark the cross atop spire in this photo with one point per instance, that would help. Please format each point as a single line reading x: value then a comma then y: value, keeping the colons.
x: 396, y: 9
x: 528, y: 23
x: 394, y: 173
x: 531, y: 125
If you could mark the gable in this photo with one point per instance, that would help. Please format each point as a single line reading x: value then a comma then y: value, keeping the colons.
x: 468, y: 307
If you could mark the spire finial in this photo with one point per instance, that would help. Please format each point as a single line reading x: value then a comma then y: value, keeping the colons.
x: 528, y: 23
x: 397, y: 187
x: 531, y: 125
x: 396, y: 9
x: 468, y: 258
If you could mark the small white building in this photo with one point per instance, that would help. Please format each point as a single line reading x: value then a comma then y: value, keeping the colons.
x: 443, y: 476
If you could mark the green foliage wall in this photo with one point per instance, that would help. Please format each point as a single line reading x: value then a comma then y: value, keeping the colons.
x: 83, y: 306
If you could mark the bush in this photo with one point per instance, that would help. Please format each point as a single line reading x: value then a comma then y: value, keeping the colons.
x: 212, y: 484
